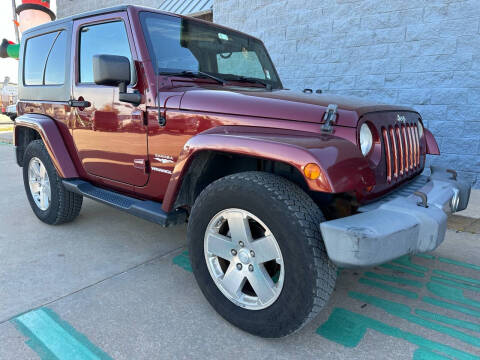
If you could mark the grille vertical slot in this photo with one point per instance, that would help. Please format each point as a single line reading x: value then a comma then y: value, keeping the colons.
x: 398, y: 131
x: 395, y: 152
x: 388, y: 154
x: 417, y: 141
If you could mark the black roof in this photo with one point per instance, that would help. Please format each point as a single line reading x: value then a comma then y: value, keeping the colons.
x: 66, y: 20
x: 81, y: 16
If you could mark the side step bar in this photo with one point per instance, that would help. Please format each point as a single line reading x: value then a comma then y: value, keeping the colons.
x: 145, y: 209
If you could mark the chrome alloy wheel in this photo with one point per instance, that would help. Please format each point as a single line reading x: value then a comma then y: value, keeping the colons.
x: 39, y: 183
x: 244, y: 259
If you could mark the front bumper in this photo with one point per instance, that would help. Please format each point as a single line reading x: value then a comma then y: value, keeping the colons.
x: 399, y: 224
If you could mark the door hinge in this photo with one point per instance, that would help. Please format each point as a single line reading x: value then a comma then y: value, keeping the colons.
x: 145, y: 117
x: 330, y: 117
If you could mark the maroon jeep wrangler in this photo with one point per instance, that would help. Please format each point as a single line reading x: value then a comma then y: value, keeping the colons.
x: 174, y: 119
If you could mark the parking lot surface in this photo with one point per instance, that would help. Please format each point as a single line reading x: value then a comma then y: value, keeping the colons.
x: 110, y: 285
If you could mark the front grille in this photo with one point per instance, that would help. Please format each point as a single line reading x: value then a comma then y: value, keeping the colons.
x: 402, y: 150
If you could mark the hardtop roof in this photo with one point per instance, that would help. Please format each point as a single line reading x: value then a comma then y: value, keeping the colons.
x: 118, y: 8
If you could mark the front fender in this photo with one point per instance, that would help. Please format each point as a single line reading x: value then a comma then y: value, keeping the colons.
x: 52, y: 139
x: 432, y: 146
x: 343, y: 167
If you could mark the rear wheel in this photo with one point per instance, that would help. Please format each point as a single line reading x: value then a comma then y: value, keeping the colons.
x: 257, y: 253
x: 50, y: 201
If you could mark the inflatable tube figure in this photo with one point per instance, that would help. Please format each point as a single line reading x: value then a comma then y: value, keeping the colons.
x: 30, y: 13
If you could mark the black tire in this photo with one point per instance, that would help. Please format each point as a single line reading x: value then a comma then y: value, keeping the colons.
x: 285, y: 209
x: 64, y: 205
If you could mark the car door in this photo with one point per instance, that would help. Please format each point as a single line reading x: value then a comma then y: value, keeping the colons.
x: 110, y: 136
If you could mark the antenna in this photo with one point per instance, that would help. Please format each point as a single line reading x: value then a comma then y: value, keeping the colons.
x: 14, y: 8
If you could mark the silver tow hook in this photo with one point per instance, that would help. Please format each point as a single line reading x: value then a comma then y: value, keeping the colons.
x: 453, y: 172
x: 423, y: 199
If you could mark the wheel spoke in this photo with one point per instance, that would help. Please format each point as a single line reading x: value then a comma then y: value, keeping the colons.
x: 36, y: 169
x: 233, y: 280
x: 265, y: 249
x: 262, y: 284
x: 46, y: 200
x: 239, y: 227
x: 46, y: 188
x: 42, y: 171
x: 219, y: 245
x: 35, y: 187
x: 42, y: 199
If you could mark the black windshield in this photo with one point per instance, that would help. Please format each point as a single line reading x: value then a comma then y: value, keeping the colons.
x: 182, y: 44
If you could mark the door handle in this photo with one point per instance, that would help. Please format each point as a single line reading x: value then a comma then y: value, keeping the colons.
x: 80, y: 103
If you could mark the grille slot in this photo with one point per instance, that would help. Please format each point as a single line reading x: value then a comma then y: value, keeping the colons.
x: 401, y: 145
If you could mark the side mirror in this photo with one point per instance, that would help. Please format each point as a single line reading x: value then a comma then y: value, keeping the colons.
x: 113, y: 70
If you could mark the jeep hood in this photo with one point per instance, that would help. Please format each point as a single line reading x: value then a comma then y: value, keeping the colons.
x: 279, y: 104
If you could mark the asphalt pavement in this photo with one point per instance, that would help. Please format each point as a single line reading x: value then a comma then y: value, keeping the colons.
x: 110, y: 285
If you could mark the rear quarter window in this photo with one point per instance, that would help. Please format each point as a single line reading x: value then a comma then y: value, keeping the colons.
x: 45, y: 59
x: 36, y: 54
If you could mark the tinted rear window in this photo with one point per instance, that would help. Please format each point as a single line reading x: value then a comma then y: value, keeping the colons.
x: 36, y: 53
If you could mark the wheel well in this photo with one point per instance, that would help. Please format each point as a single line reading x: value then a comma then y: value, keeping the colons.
x: 209, y: 166
x: 24, y: 136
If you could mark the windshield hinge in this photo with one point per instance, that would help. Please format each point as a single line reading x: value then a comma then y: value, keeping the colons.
x: 145, y: 117
x: 330, y: 117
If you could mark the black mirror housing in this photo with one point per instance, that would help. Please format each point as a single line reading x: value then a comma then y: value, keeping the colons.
x: 111, y: 70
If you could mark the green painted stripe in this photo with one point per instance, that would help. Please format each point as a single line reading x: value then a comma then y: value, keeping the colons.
x: 394, y: 279
x: 403, y: 270
x: 53, y: 338
x: 448, y: 320
x: 348, y: 329
x: 455, y: 283
x: 425, y: 256
x: 389, y: 288
x: 459, y: 263
x: 404, y: 312
x: 450, y: 306
x: 424, y: 354
x: 407, y: 261
x: 457, y: 277
x: 183, y: 260
x: 450, y: 293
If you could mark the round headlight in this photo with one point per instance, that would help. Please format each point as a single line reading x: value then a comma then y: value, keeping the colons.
x: 366, y: 139
x: 420, y: 129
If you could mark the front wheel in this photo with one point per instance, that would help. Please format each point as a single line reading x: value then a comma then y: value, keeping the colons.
x: 257, y: 253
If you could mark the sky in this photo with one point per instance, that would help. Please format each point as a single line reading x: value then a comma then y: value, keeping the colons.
x: 9, y: 67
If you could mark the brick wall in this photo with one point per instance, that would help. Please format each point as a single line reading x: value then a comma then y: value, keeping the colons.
x: 421, y: 53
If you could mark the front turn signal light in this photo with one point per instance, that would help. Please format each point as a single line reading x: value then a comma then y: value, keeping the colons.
x: 311, y: 171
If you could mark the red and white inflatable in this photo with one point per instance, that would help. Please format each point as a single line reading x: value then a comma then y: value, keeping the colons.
x: 30, y: 13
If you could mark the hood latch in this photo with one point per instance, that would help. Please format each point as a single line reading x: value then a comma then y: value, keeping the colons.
x: 329, y: 118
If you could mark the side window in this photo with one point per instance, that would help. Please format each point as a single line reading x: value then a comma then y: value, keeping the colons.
x: 245, y: 63
x: 55, y: 69
x: 36, y: 53
x: 102, y: 39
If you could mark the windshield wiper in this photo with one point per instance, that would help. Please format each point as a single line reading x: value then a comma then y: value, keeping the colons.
x: 252, y: 80
x: 191, y: 73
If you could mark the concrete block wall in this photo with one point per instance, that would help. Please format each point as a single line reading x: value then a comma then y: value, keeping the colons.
x: 421, y: 53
